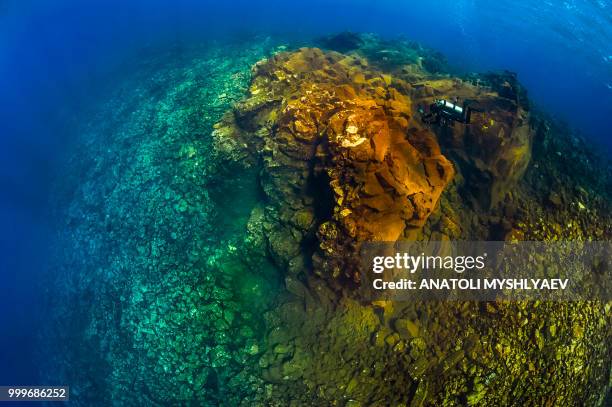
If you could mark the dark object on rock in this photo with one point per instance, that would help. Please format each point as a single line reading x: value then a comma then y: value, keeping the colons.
x: 435, y: 62
x: 554, y: 199
x: 343, y: 42
x: 493, y: 151
x: 445, y: 113
x: 507, y: 85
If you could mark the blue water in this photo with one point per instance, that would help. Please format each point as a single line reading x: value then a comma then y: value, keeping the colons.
x: 53, y: 53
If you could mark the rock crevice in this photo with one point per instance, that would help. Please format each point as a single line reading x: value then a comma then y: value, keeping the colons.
x: 313, y: 115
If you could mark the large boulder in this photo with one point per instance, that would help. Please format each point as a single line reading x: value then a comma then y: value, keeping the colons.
x: 343, y: 158
x: 494, y: 149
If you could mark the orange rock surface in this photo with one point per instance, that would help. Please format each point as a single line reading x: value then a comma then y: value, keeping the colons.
x: 496, y: 146
x: 330, y: 127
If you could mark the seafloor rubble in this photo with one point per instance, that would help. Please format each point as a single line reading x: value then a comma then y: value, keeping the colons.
x: 154, y: 297
x: 218, y: 264
x: 345, y: 159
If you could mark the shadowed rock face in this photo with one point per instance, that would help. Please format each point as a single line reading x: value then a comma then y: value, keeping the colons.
x: 200, y: 296
x: 344, y: 160
x: 495, y: 148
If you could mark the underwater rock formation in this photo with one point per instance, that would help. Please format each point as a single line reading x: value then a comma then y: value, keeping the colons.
x: 495, y: 147
x: 343, y: 42
x: 343, y: 156
x: 172, y: 293
x: 346, y: 158
x: 155, y: 298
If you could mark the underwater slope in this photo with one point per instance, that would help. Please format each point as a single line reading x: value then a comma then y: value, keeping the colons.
x: 174, y: 293
x: 350, y: 121
x: 155, y: 297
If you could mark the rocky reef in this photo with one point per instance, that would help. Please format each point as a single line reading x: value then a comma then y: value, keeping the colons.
x: 208, y: 252
x: 344, y: 158
x: 155, y: 296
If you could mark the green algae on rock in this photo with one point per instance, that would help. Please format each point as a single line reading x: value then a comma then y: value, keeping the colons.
x: 341, y: 142
x: 343, y: 158
x: 161, y: 297
x: 306, y: 121
x: 210, y: 196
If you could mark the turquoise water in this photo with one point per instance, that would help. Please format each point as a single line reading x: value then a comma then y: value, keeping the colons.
x: 153, y: 272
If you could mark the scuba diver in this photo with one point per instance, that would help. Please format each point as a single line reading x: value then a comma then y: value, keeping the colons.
x: 445, y: 113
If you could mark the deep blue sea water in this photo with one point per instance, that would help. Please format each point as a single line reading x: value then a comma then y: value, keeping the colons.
x: 53, y: 55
